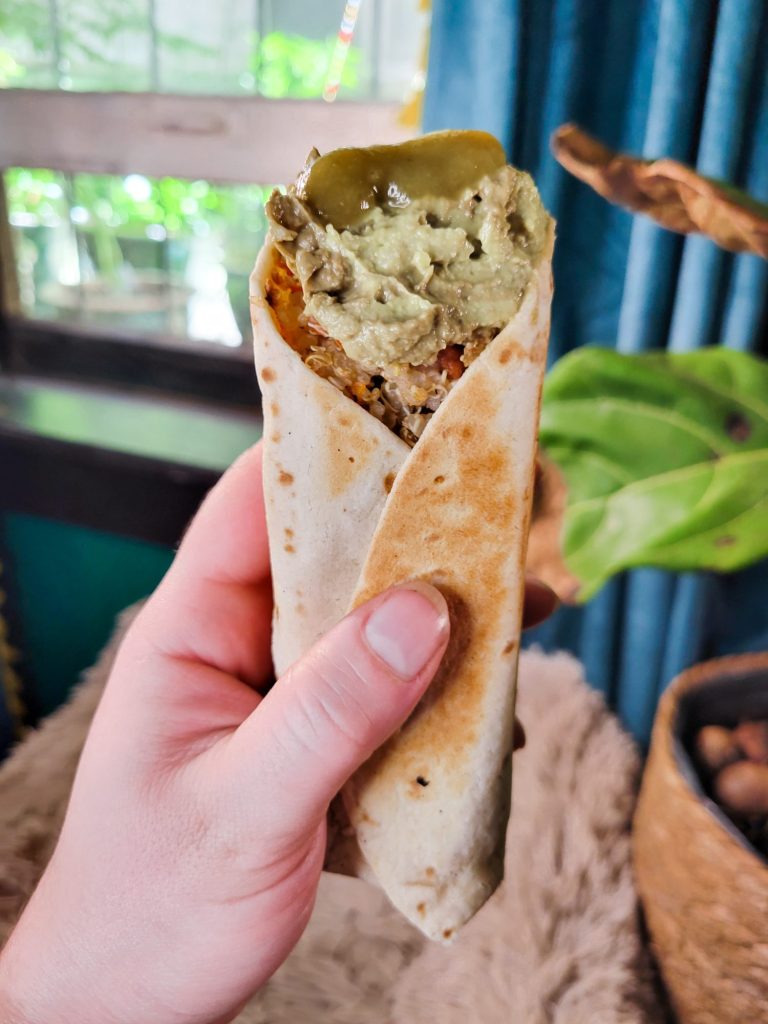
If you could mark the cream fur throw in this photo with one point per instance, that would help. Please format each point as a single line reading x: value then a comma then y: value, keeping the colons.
x: 559, y: 943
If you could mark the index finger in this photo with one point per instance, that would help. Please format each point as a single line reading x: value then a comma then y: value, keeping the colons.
x: 215, y: 604
x: 227, y: 540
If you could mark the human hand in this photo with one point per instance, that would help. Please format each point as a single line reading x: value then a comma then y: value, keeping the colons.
x: 189, y: 858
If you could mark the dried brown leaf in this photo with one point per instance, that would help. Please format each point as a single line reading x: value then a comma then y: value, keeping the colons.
x: 672, y: 194
x: 545, y: 551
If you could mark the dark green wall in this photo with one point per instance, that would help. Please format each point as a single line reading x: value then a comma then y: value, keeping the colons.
x: 86, y: 474
x: 68, y: 584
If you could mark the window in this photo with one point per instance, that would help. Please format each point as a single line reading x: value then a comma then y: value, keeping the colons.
x: 164, y: 256
x: 273, y: 48
x: 141, y: 137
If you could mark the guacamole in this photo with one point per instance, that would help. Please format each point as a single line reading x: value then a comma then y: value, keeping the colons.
x: 405, y: 251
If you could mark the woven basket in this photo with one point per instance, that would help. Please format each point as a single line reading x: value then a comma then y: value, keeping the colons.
x: 704, y: 888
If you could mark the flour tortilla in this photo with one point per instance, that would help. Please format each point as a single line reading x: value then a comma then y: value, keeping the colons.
x: 352, y: 510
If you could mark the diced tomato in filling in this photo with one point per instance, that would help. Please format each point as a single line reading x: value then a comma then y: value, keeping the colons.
x: 450, y: 361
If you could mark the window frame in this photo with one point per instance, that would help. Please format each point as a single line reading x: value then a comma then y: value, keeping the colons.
x: 184, y: 136
x: 91, y: 355
x: 159, y: 135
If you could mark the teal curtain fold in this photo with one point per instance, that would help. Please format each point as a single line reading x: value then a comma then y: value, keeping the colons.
x: 680, y: 78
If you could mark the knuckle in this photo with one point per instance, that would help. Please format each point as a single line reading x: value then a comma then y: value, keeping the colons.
x: 330, y: 706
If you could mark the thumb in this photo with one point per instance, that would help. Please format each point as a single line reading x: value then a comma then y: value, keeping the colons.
x: 340, y: 702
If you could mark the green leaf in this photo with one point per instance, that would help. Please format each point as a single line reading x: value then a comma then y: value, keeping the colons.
x: 666, y: 460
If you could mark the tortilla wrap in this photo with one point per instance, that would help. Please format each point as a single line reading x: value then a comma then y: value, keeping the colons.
x: 352, y: 510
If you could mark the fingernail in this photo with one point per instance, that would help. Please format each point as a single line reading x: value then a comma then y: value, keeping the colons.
x: 407, y: 628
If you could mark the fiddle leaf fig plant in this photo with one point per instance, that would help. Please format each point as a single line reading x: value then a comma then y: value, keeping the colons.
x: 658, y: 459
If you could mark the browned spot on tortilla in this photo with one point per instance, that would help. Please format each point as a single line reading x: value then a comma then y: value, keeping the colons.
x: 421, y: 909
x: 439, y: 479
x: 274, y: 408
x: 423, y: 883
x: 285, y: 477
x: 300, y: 609
x: 466, y: 433
x: 430, y: 872
x: 725, y: 541
x: 290, y: 549
x: 288, y: 532
x: 447, y: 933
x: 471, y: 534
x: 268, y: 374
x: 276, y: 437
x: 349, y: 445
x: 417, y: 785
x: 510, y: 647
x: 510, y: 350
x: 389, y: 480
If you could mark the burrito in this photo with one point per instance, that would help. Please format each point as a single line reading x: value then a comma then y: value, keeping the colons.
x: 401, y: 310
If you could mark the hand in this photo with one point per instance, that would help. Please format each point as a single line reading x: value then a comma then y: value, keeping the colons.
x: 190, y: 855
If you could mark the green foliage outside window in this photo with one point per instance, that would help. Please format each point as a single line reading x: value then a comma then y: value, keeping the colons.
x: 286, y: 65
x: 280, y: 65
x: 118, y: 220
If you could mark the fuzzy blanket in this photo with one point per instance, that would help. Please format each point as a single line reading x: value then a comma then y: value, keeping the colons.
x: 559, y: 943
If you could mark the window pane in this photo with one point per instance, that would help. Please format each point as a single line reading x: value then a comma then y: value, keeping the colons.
x: 402, y: 33
x: 205, y: 47
x: 27, y: 52
x: 105, y: 44
x: 159, y: 256
x: 297, y: 43
x: 279, y: 48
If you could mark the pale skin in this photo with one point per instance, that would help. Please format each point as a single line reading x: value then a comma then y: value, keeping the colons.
x: 191, y: 851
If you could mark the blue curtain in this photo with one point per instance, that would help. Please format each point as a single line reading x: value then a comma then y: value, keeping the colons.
x: 680, y: 78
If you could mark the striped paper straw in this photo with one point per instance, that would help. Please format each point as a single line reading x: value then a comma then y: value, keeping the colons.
x: 340, y: 50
